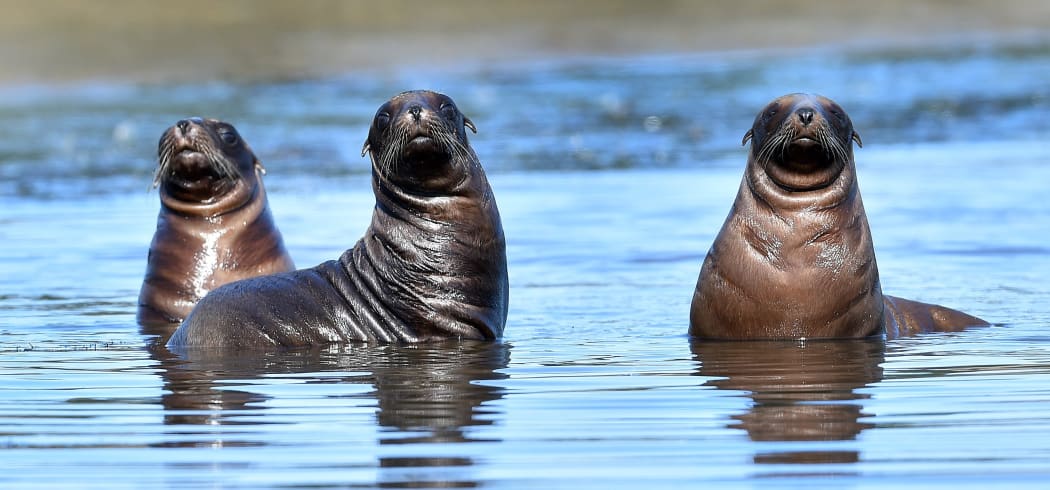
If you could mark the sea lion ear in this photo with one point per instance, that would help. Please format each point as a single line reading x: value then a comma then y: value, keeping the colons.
x: 747, y: 137
x: 856, y: 137
x: 259, y: 166
x: 470, y: 124
x: 365, y: 149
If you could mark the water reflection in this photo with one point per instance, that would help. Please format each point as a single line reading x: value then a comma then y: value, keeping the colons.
x: 424, y: 394
x: 802, y: 391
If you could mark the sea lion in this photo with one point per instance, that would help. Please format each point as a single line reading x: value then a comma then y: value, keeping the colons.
x: 795, y: 258
x: 431, y: 265
x: 214, y: 225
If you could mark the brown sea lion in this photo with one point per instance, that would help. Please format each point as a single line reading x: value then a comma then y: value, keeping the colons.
x: 431, y: 265
x: 794, y: 258
x: 214, y: 225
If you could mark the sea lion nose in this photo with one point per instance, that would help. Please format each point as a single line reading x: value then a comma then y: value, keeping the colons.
x: 805, y: 115
x: 415, y: 110
x: 184, y: 124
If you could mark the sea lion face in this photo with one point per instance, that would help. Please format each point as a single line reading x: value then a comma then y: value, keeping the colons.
x: 417, y: 139
x: 802, y: 141
x: 201, y: 160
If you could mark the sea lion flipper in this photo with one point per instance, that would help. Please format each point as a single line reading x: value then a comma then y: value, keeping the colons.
x: 914, y: 317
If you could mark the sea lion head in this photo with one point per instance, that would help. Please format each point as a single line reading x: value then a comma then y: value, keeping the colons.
x: 418, y: 141
x: 202, y: 161
x: 802, y: 141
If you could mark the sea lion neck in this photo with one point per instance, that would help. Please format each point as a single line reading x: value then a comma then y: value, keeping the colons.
x: 241, y: 192
x: 470, y: 211
x: 839, y: 192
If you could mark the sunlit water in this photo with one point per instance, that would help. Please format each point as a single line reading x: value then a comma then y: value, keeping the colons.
x: 612, y: 177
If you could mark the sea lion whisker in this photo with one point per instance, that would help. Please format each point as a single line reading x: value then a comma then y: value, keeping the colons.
x: 389, y: 158
x: 777, y: 145
x: 223, y: 167
x: 164, y: 155
x: 833, y: 145
x: 162, y: 168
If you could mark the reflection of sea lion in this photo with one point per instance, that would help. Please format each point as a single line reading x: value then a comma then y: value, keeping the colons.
x: 799, y: 391
x: 794, y: 258
x: 431, y: 265
x: 214, y: 225
x: 431, y: 392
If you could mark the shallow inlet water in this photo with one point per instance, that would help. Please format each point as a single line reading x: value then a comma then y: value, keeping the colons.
x: 612, y: 176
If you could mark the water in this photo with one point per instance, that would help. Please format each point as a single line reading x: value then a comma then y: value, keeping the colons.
x: 612, y: 177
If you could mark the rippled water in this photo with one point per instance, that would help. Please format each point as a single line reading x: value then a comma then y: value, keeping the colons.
x: 612, y: 177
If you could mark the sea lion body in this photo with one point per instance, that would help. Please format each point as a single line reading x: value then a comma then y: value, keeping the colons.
x: 214, y: 225
x: 795, y: 258
x: 432, y: 264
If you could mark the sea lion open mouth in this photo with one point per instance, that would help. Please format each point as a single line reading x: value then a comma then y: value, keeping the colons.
x: 805, y: 153
x: 196, y: 173
x: 423, y: 146
x: 191, y: 164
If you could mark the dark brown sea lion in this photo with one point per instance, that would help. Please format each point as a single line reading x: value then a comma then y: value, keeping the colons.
x: 794, y: 258
x: 431, y: 265
x: 214, y: 225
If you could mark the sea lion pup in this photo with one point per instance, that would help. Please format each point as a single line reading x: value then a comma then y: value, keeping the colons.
x: 431, y: 265
x: 214, y: 225
x: 794, y: 258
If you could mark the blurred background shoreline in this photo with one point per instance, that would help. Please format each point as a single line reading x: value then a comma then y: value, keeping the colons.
x: 62, y: 42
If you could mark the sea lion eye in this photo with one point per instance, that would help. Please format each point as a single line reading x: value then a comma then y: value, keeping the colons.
x: 229, y: 137
x: 382, y: 120
x: 768, y: 115
x: 448, y: 110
